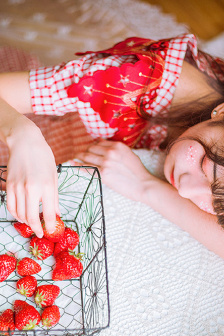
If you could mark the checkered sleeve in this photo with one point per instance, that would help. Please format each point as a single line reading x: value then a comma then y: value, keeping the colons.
x: 49, y: 85
x: 48, y: 89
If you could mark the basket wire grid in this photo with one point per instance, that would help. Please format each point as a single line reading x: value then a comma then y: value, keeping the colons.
x: 83, y: 302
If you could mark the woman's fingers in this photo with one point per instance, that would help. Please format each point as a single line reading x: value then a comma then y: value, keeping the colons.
x: 32, y: 211
x: 11, y: 201
x: 103, y: 153
x: 90, y: 158
x: 23, y: 200
x: 56, y: 197
x: 23, y: 208
x: 20, y: 204
x: 49, y: 210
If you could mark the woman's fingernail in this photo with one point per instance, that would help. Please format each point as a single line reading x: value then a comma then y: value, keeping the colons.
x: 39, y: 235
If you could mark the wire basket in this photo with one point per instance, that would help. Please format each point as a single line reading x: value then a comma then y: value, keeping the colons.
x: 83, y: 302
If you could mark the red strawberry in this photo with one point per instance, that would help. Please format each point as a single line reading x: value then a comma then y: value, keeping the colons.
x: 59, y: 229
x: 68, y: 266
x: 45, y: 295
x: 7, y: 322
x: 19, y: 305
x: 50, y: 316
x: 7, y: 266
x: 26, y: 316
x: 23, y: 229
x: 41, y: 248
x: 27, y: 285
x: 27, y: 266
x: 69, y: 241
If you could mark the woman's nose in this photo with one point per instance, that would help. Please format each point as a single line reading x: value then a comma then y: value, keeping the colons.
x: 191, y: 186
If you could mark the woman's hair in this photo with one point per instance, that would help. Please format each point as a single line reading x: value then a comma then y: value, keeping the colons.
x: 216, y: 154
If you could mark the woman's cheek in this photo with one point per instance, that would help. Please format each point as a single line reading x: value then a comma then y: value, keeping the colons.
x: 191, y: 155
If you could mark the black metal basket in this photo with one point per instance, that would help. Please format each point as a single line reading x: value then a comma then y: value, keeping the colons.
x: 83, y: 302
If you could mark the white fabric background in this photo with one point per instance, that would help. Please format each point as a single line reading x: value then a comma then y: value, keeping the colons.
x: 162, y: 282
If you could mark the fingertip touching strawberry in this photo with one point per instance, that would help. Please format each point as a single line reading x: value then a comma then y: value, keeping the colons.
x: 7, y: 322
x: 50, y: 316
x: 41, y: 248
x: 45, y: 295
x: 27, y: 285
x: 26, y: 316
x: 69, y: 241
x: 58, y: 232
x: 68, y: 266
x: 23, y: 229
x: 27, y: 266
x: 7, y: 266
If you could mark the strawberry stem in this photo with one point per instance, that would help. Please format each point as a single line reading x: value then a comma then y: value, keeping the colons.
x: 32, y: 324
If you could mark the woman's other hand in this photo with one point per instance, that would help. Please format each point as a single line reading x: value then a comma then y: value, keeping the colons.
x: 119, y: 167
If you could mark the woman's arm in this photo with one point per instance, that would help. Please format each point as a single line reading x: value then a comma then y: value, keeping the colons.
x: 123, y: 171
x: 31, y: 173
x: 15, y: 90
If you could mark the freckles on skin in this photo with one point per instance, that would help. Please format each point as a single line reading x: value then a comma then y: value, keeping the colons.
x: 205, y: 207
x: 191, y: 154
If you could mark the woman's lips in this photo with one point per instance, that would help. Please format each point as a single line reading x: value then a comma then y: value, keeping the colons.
x: 172, y: 179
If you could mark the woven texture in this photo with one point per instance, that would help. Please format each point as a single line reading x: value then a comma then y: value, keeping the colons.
x: 162, y: 282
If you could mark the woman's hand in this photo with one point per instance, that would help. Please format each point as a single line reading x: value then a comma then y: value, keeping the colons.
x: 119, y: 167
x: 31, y: 178
x: 31, y: 173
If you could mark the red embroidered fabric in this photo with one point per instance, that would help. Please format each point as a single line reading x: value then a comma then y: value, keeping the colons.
x: 117, y: 93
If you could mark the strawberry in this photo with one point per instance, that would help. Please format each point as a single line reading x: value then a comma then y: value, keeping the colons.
x: 7, y: 322
x: 19, y: 305
x: 59, y: 229
x: 27, y: 285
x: 50, y: 316
x: 27, y: 266
x: 45, y: 295
x: 69, y: 241
x: 26, y: 316
x: 7, y: 266
x: 23, y: 229
x: 41, y: 248
x: 68, y: 266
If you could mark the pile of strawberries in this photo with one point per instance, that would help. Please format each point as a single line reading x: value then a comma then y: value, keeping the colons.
x: 61, y: 244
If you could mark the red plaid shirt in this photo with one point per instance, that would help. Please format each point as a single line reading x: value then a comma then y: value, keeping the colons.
x: 117, y: 91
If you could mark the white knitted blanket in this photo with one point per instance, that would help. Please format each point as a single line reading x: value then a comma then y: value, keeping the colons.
x: 162, y: 282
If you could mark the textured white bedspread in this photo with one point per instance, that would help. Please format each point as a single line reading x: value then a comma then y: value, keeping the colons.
x: 161, y: 281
